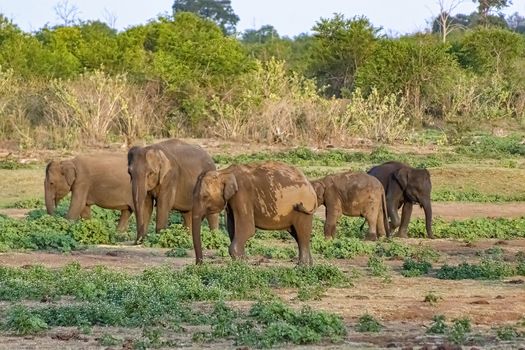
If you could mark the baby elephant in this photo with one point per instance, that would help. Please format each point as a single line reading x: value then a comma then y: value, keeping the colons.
x: 353, y: 194
x: 100, y: 179
x: 268, y: 196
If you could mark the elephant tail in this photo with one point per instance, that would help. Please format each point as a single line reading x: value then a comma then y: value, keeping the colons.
x: 385, y: 214
x: 300, y: 208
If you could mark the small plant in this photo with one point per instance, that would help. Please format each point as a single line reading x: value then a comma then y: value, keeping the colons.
x: 108, y: 340
x: 30, y: 203
x: 438, y: 325
x: 377, y: 266
x: 414, y: 268
x: 367, y: 323
x: 22, y: 321
x: 177, y: 252
x: 508, y: 333
x: 432, y: 298
x: 310, y: 292
x: 459, y: 330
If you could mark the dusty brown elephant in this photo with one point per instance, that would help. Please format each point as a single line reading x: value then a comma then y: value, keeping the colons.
x: 353, y: 194
x: 100, y: 179
x: 165, y: 173
x: 268, y: 196
x: 404, y: 186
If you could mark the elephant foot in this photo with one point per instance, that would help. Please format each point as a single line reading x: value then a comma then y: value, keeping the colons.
x: 402, y: 234
x: 371, y: 237
x: 430, y: 236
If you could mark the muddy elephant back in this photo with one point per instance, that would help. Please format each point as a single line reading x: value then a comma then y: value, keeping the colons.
x: 284, y: 186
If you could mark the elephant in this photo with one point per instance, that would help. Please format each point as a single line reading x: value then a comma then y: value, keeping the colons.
x: 353, y: 194
x: 99, y: 179
x: 268, y: 195
x: 404, y: 186
x: 165, y: 173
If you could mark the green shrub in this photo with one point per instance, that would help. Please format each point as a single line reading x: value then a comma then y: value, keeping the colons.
x: 175, y: 236
x: 459, y: 330
x: 377, y: 266
x: 488, y: 146
x: 367, y: 323
x: 415, y: 268
x: 438, y: 325
x: 488, y: 269
x: 91, y: 231
x: 281, y: 324
x: 471, y: 229
x: 508, y: 333
x: 177, y: 253
x: 21, y: 321
x: 29, y: 203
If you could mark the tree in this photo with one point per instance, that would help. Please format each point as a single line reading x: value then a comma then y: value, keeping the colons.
x: 419, y: 67
x: 66, y: 12
x: 516, y: 22
x: 445, y: 21
x: 487, y: 6
x: 340, y: 47
x: 491, y: 50
x: 261, y: 35
x: 219, y: 11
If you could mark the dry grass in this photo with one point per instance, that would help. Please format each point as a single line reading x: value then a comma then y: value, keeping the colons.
x: 501, y: 181
x: 21, y: 184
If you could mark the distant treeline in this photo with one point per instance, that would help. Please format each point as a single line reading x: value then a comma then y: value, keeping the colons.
x: 86, y: 83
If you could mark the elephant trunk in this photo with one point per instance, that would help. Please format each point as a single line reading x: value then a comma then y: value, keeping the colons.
x: 138, y: 190
x: 50, y: 199
x: 427, y: 207
x: 198, y: 215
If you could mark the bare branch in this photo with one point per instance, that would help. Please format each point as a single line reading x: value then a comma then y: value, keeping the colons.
x: 66, y: 12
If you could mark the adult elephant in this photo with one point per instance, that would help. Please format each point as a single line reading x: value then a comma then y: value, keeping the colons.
x: 100, y: 179
x: 268, y: 196
x: 353, y: 194
x: 404, y: 186
x: 165, y: 173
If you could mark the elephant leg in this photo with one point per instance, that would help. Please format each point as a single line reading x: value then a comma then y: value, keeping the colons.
x: 405, y: 219
x: 86, y: 212
x: 213, y: 221
x: 78, y: 203
x: 244, y: 229
x: 230, y: 223
x: 302, y: 232
x: 186, y: 219
x: 394, y: 216
x: 371, y: 219
x: 123, y: 220
x: 333, y: 213
x: 163, y: 210
x: 380, y: 222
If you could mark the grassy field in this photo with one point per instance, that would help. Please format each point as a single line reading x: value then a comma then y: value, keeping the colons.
x: 83, y: 285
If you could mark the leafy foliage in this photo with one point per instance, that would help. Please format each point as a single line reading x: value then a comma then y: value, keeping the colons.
x: 367, y: 323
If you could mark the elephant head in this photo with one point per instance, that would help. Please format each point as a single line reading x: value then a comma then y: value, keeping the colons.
x: 416, y: 187
x: 211, y: 193
x: 148, y: 168
x: 60, y: 177
x: 319, y: 187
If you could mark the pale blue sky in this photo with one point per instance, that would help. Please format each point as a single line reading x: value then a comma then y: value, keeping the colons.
x: 289, y: 17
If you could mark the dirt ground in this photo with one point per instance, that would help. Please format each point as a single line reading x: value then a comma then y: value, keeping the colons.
x: 398, y: 304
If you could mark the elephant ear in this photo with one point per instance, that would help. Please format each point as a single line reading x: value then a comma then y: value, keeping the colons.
x: 230, y: 187
x: 401, y: 177
x: 319, y: 188
x: 69, y: 171
x: 159, y: 163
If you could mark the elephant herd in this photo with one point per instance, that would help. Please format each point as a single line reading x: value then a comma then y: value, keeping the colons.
x: 174, y: 175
